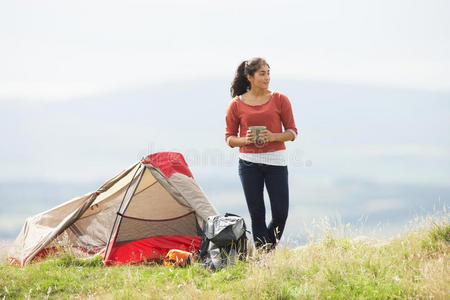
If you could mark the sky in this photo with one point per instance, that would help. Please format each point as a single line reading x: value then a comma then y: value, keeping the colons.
x: 59, y: 50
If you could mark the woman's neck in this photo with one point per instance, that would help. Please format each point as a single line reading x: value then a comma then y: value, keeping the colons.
x: 257, y: 92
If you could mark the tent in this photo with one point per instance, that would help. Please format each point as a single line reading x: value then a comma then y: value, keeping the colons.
x: 138, y: 215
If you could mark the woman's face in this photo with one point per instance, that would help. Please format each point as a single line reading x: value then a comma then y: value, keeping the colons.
x: 261, y: 78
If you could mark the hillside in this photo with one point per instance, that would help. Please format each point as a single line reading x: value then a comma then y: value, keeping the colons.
x: 412, y: 266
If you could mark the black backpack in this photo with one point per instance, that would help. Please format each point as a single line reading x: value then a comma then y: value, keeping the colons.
x: 224, y: 240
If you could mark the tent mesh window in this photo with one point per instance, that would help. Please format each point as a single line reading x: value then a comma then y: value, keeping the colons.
x: 132, y: 229
x: 93, y: 230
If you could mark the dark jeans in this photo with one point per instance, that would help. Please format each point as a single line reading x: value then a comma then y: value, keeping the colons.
x: 253, y: 177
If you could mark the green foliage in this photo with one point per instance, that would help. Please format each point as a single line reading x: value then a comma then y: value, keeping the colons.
x: 335, y: 268
x: 438, y: 235
x: 440, y: 232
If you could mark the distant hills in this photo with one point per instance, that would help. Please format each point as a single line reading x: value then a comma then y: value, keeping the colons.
x: 381, y: 153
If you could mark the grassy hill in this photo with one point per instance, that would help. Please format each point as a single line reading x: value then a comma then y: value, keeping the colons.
x: 414, y: 266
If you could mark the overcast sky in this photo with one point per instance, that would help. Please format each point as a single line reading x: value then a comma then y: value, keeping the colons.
x: 56, y: 50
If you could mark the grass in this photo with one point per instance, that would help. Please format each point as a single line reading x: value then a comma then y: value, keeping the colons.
x: 414, y: 266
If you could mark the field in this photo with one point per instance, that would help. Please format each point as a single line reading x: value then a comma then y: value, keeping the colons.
x: 413, y: 266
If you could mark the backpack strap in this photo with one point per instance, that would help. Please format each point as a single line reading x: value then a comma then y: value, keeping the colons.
x: 204, y: 244
x: 231, y: 215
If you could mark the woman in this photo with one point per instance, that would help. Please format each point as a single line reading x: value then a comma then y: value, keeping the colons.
x: 262, y: 159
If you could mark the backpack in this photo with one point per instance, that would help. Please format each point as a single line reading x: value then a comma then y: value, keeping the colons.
x: 224, y: 241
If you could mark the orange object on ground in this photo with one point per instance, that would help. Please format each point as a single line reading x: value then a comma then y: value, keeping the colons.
x: 178, y: 258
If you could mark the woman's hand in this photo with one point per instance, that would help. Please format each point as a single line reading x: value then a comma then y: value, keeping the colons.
x: 266, y: 136
x: 249, y: 138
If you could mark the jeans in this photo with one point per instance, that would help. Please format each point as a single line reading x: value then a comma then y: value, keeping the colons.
x: 253, y: 177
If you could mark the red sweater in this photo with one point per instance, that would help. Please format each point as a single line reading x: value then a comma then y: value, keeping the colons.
x: 272, y: 114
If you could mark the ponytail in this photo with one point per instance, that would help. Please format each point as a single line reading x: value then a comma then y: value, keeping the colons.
x: 240, y: 83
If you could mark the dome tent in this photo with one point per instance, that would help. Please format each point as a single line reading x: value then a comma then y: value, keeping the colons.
x: 138, y: 215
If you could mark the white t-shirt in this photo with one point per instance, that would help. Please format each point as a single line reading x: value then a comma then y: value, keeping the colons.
x: 275, y: 158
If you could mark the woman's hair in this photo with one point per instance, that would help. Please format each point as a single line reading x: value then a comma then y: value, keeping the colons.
x: 240, y: 83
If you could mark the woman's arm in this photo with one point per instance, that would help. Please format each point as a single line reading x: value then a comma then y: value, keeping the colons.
x: 287, y: 118
x: 282, y: 137
x: 232, y: 126
x: 268, y: 136
x: 234, y: 141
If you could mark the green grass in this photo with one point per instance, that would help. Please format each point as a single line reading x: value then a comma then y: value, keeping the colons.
x: 414, y: 266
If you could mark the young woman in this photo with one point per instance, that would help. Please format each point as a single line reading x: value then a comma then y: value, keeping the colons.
x: 262, y: 160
